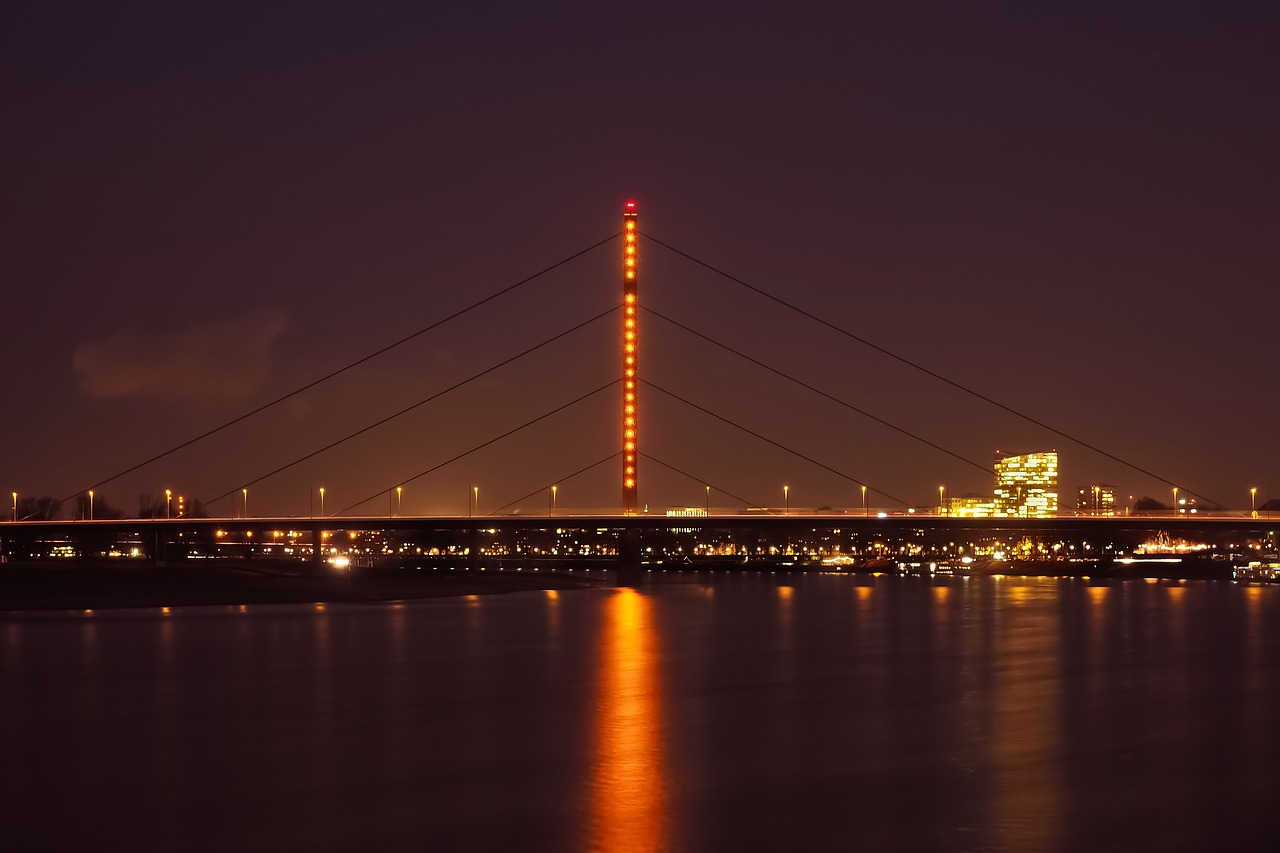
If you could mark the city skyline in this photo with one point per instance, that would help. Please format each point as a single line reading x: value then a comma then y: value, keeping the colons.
x: 1078, y: 234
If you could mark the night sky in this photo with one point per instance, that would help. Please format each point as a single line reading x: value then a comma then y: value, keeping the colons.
x: 1070, y: 208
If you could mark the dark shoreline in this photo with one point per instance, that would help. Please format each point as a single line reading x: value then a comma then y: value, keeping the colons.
x: 94, y: 585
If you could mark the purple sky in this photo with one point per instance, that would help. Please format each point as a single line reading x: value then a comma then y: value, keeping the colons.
x: 1071, y: 210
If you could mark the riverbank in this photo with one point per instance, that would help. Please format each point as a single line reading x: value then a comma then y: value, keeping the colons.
x: 49, y: 585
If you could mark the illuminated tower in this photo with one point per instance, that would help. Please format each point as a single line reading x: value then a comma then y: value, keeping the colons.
x: 630, y: 407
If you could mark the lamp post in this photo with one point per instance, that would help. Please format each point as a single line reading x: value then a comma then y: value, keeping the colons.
x: 1175, y: 500
x: 399, y: 495
x: 91, y: 504
x: 15, y: 506
x: 941, y: 503
x: 1095, y: 499
x: 475, y: 491
x: 245, y: 492
x: 786, y: 500
x: 552, y: 510
x: 168, y: 498
x: 865, y: 512
x: 322, y: 501
x: 708, y: 488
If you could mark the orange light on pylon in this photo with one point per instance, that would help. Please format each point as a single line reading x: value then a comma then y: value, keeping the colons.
x: 630, y: 346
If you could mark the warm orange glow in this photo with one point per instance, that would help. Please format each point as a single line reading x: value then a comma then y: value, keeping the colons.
x: 630, y: 261
x: 628, y: 804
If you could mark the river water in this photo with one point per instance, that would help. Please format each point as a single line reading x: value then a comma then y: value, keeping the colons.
x: 699, y: 713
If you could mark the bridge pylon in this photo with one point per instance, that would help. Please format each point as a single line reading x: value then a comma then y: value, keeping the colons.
x: 630, y: 352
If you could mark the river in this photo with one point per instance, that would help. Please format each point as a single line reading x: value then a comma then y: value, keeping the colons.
x: 698, y: 713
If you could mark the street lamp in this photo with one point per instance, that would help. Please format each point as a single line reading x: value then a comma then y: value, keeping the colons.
x: 15, y: 506
x: 245, y: 492
x: 168, y: 497
x: 322, y: 501
x: 1175, y: 500
x: 475, y: 490
x: 941, y: 503
x: 1253, y: 503
x: 865, y: 512
x: 552, y: 510
x: 708, y: 500
x: 786, y: 499
x: 1096, y: 489
x: 91, y: 504
x: 399, y: 495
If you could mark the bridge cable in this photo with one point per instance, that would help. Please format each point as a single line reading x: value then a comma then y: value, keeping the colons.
x: 455, y: 315
x: 684, y: 473
x: 613, y: 455
x: 776, y: 444
x: 485, y: 444
x: 416, y: 405
x: 908, y: 362
x: 986, y: 469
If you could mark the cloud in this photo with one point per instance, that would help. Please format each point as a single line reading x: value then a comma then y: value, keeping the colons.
x: 219, y: 360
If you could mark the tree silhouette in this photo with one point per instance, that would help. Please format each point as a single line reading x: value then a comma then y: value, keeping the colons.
x: 100, y: 510
x: 39, y: 509
x: 151, y: 506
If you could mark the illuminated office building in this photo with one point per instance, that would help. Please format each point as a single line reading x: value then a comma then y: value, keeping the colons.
x: 971, y: 506
x: 1096, y: 499
x: 1027, y: 485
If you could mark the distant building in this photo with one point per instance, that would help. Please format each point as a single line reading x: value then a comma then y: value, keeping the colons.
x: 1096, y: 499
x: 971, y: 506
x: 1027, y: 485
x: 686, y: 512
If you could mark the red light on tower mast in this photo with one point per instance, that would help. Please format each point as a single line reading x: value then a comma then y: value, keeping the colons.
x: 630, y: 349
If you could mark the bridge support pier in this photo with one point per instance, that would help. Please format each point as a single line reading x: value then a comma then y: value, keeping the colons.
x: 473, y: 549
x: 630, y: 572
x: 317, y: 546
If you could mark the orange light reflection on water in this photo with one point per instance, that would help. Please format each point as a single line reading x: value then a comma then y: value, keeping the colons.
x: 628, y: 797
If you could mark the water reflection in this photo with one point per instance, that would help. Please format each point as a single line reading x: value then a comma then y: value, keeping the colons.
x: 1026, y: 748
x: 628, y: 790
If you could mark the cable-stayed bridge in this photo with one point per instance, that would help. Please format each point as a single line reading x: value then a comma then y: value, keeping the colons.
x: 728, y: 506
